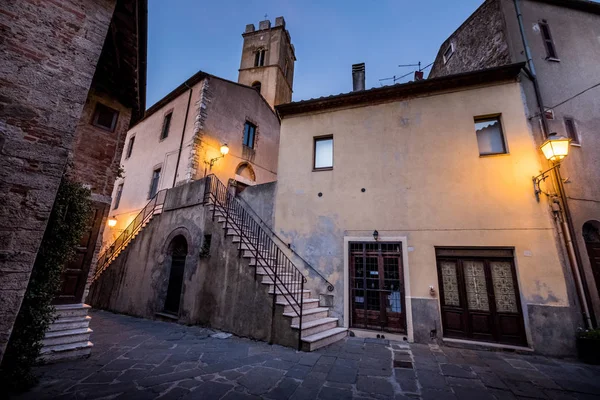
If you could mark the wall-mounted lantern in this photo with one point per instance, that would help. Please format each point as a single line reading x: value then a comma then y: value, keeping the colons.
x: 555, y: 149
x: 224, y: 150
x: 375, y: 235
x: 112, y: 221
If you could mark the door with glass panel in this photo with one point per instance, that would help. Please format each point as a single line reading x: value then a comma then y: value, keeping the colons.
x: 377, y: 287
x: 480, y: 300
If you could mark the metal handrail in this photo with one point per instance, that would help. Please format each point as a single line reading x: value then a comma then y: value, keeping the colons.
x: 330, y: 286
x: 154, y: 206
x: 287, y: 279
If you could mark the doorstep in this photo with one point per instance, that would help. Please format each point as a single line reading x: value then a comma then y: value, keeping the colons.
x: 367, y: 333
x: 486, y: 345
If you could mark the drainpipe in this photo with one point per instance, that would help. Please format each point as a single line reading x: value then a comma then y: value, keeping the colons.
x: 187, y: 111
x: 568, y: 230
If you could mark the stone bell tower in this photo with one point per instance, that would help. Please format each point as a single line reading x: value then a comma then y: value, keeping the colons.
x: 268, y: 61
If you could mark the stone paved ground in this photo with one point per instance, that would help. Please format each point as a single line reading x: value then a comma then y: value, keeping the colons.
x: 140, y: 359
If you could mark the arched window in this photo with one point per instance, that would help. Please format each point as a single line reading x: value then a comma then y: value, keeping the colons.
x: 256, y: 85
x: 245, y: 171
x: 178, y: 251
x: 259, y: 57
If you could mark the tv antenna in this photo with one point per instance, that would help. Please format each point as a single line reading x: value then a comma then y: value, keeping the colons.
x: 397, y: 78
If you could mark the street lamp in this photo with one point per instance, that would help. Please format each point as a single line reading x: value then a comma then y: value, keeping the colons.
x: 224, y: 150
x: 112, y: 221
x: 555, y: 149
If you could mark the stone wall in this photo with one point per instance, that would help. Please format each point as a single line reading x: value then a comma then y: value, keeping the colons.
x: 480, y: 42
x: 48, y: 55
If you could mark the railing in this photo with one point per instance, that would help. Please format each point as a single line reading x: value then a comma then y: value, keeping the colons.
x: 287, y: 280
x: 154, y: 206
x: 330, y: 286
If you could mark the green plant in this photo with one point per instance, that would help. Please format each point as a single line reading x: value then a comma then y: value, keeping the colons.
x: 67, y: 223
x: 593, y: 334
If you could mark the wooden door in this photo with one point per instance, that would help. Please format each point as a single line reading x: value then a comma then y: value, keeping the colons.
x: 480, y: 300
x: 75, y: 273
x: 178, y: 256
x: 593, y: 250
x: 377, y: 287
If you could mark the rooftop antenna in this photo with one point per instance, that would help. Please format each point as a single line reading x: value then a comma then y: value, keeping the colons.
x: 412, y: 65
x: 397, y: 78
x: 266, y: 16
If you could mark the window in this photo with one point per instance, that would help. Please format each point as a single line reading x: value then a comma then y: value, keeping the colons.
x: 249, y: 134
x: 154, y: 183
x: 323, y: 153
x: 130, y: 146
x: 118, y: 196
x: 448, y: 53
x: 548, y: 42
x: 256, y: 86
x: 489, y: 136
x: 105, y: 117
x: 571, y: 130
x: 166, y: 126
x: 259, y: 58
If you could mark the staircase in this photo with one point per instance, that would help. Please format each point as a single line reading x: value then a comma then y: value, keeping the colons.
x: 312, y: 323
x: 68, y: 337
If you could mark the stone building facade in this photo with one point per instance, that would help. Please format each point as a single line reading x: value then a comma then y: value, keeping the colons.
x: 431, y: 235
x: 50, y: 57
x: 180, y: 138
x: 562, y: 37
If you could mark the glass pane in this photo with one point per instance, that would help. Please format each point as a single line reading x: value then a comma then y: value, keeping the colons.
x: 391, y: 281
x: 450, y: 283
x: 372, y: 272
x: 504, y: 288
x: 324, y: 153
x: 489, y: 136
x: 477, y: 296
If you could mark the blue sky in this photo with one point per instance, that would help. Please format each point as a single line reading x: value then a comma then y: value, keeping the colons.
x: 185, y: 36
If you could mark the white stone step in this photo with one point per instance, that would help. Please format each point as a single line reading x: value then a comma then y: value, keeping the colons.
x: 71, y: 351
x: 262, y: 260
x: 72, y: 310
x: 317, y: 326
x: 285, y: 278
x: 318, y: 340
x: 308, y: 315
x: 62, y: 324
x: 67, y: 336
x: 307, y: 304
x: 282, y: 295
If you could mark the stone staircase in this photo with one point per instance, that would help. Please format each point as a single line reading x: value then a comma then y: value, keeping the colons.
x: 317, y: 329
x: 68, y: 337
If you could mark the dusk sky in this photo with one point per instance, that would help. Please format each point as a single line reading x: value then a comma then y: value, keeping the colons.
x: 185, y: 36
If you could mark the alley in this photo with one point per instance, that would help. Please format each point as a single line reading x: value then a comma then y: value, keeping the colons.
x: 140, y: 359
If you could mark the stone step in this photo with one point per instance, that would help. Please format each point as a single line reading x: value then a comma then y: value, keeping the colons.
x: 262, y: 259
x: 267, y: 279
x: 72, y: 310
x: 71, y: 351
x: 321, y: 339
x: 63, y: 324
x: 284, y: 294
x: 308, y: 315
x: 307, y: 304
x: 316, y: 326
x: 67, y: 336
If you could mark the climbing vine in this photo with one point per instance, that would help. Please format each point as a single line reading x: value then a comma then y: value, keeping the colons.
x: 67, y: 223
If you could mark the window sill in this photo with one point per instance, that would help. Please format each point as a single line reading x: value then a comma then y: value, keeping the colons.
x: 552, y: 59
x: 493, y: 155
x: 323, y: 169
x: 103, y: 128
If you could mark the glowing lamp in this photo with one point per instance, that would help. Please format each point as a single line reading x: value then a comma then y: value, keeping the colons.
x: 112, y: 221
x: 555, y: 148
x: 224, y: 149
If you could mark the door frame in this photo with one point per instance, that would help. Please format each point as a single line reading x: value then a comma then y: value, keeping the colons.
x: 403, y: 240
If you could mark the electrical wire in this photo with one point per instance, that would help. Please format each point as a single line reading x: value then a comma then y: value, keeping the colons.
x: 567, y: 100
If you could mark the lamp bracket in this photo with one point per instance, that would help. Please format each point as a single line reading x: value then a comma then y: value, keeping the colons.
x: 540, y: 178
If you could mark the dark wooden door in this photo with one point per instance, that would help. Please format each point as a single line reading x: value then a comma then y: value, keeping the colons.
x: 480, y: 300
x: 178, y: 256
x: 377, y: 287
x: 75, y: 273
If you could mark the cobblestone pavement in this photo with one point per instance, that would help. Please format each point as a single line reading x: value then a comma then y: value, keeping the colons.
x: 140, y: 359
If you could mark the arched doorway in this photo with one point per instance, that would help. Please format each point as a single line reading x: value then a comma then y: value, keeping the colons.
x: 178, y: 251
x: 591, y: 236
x: 244, y: 176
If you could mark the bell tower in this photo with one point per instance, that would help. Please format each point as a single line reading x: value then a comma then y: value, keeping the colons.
x: 268, y: 61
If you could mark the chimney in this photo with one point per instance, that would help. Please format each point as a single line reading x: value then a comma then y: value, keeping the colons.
x: 358, y: 77
x: 418, y: 75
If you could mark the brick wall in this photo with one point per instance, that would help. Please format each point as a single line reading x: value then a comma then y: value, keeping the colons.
x: 480, y: 42
x: 48, y: 54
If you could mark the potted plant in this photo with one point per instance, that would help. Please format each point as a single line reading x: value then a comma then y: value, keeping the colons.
x: 588, y: 346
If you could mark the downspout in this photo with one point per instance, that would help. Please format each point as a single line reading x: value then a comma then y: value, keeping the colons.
x: 568, y: 233
x: 187, y: 111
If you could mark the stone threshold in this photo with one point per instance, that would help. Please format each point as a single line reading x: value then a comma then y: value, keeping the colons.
x: 487, y: 345
x: 167, y: 315
x: 367, y: 333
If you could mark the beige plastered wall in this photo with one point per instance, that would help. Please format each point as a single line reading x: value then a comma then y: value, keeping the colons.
x: 424, y: 181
